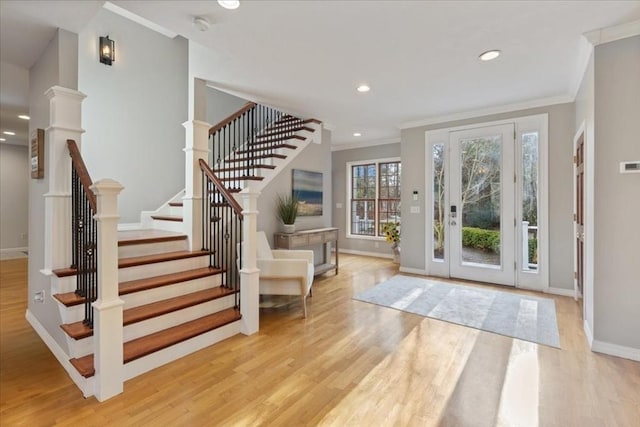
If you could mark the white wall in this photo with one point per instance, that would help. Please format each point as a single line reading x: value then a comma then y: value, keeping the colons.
x: 14, y: 196
x: 617, y: 196
x: 134, y: 111
x: 561, y: 131
x: 315, y: 158
x: 339, y: 173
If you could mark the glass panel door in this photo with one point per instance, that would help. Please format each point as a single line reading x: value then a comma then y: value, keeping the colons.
x: 481, y: 204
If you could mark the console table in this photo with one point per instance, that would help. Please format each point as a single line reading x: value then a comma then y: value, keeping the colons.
x: 306, y: 238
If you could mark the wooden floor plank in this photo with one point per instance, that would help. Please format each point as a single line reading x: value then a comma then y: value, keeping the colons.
x: 347, y: 360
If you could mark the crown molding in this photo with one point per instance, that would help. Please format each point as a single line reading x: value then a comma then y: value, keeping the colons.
x: 535, y: 103
x: 363, y: 144
x: 610, y: 34
x: 139, y: 20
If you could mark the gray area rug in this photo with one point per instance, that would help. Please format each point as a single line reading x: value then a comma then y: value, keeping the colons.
x: 519, y: 316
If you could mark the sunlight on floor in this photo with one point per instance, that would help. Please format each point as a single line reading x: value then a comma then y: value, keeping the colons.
x: 519, y: 399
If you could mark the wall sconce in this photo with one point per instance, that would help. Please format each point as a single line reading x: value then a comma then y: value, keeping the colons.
x: 107, y: 50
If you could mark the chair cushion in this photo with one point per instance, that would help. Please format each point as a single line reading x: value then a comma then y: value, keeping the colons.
x: 264, y: 251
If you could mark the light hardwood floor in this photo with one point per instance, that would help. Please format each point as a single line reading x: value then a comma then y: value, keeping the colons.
x: 348, y: 363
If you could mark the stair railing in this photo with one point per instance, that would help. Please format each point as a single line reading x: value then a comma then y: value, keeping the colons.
x: 84, y: 232
x: 221, y: 229
x: 240, y: 141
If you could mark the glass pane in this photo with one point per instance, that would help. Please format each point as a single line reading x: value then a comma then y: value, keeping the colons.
x: 480, y: 201
x: 363, y: 217
x: 438, y: 202
x: 388, y: 211
x: 530, y: 202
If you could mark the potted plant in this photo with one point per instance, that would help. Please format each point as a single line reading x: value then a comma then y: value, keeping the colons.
x: 287, y: 208
x: 391, y: 232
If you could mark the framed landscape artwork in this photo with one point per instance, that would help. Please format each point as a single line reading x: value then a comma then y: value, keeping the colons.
x: 307, y: 187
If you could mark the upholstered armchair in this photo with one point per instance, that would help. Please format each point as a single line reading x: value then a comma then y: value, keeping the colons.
x: 284, y: 272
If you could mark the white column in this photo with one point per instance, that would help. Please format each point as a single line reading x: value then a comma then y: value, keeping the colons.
x: 64, y: 118
x: 249, y: 273
x: 196, y: 148
x: 107, y: 324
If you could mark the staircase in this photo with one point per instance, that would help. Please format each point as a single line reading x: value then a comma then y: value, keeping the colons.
x: 176, y: 300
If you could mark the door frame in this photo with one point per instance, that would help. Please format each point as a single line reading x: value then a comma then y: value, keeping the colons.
x: 538, y: 123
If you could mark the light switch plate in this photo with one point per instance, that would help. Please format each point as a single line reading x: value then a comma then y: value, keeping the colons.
x: 338, y: 205
x: 415, y: 209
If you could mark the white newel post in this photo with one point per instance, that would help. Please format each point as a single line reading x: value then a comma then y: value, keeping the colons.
x: 249, y: 284
x: 196, y: 148
x: 64, y: 123
x: 107, y: 323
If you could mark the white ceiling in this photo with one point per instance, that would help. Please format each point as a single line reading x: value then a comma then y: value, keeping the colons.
x: 419, y: 57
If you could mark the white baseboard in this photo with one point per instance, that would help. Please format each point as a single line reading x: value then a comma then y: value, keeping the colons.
x: 560, y: 291
x: 365, y: 253
x: 588, y: 333
x: 130, y: 226
x: 616, y: 350
x: 21, y: 249
x: 85, y: 385
x: 413, y: 271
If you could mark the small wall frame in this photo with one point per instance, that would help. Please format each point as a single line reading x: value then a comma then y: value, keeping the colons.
x: 37, y: 154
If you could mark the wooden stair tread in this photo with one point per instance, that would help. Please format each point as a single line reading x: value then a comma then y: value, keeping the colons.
x: 261, y: 156
x: 70, y: 298
x: 257, y: 147
x: 239, y: 168
x: 272, y: 131
x: 167, y: 218
x: 175, y: 204
x: 146, y: 345
x: 64, y: 272
x: 78, y: 330
x: 242, y: 178
x: 263, y: 140
x: 138, y: 237
x: 138, y: 285
x: 152, y: 259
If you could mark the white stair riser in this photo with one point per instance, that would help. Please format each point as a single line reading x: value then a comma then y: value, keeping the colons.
x: 160, y: 268
x: 79, y: 348
x: 176, y: 226
x: 167, y: 355
x: 129, y: 251
x: 175, y: 210
x: 137, y: 299
x: 62, y: 285
x: 76, y: 313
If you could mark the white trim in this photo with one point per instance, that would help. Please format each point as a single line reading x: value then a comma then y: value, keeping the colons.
x: 365, y: 253
x: 616, y: 350
x: 131, y: 226
x: 85, y: 385
x: 20, y: 249
x: 610, y: 34
x: 509, y: 108
x: 558, y: 291
x: 349, y: 165
x: 523, y: 124
x: 587, y: 332
x: 139, y: 20
x: 329, y: 126
x: 363, y: 144
x: 413, y: 271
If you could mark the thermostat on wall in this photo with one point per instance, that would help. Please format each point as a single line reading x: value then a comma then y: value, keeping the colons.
x: 630, y: 167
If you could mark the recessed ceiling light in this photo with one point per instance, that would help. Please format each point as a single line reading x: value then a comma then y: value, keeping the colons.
x: 363, y: 88
x: 2, y: 139
x: 357, y: 134
x: 229, y: 4
x: 8, y: 132
x: 489, y: 55
x: 24, y: 117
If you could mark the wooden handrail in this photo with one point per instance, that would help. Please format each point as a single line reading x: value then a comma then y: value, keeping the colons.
x: 216, y: 181
x: 83, y: 174
x: 232, y: 117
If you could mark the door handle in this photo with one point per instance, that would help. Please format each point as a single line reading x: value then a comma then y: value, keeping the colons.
x: 453, y: 222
